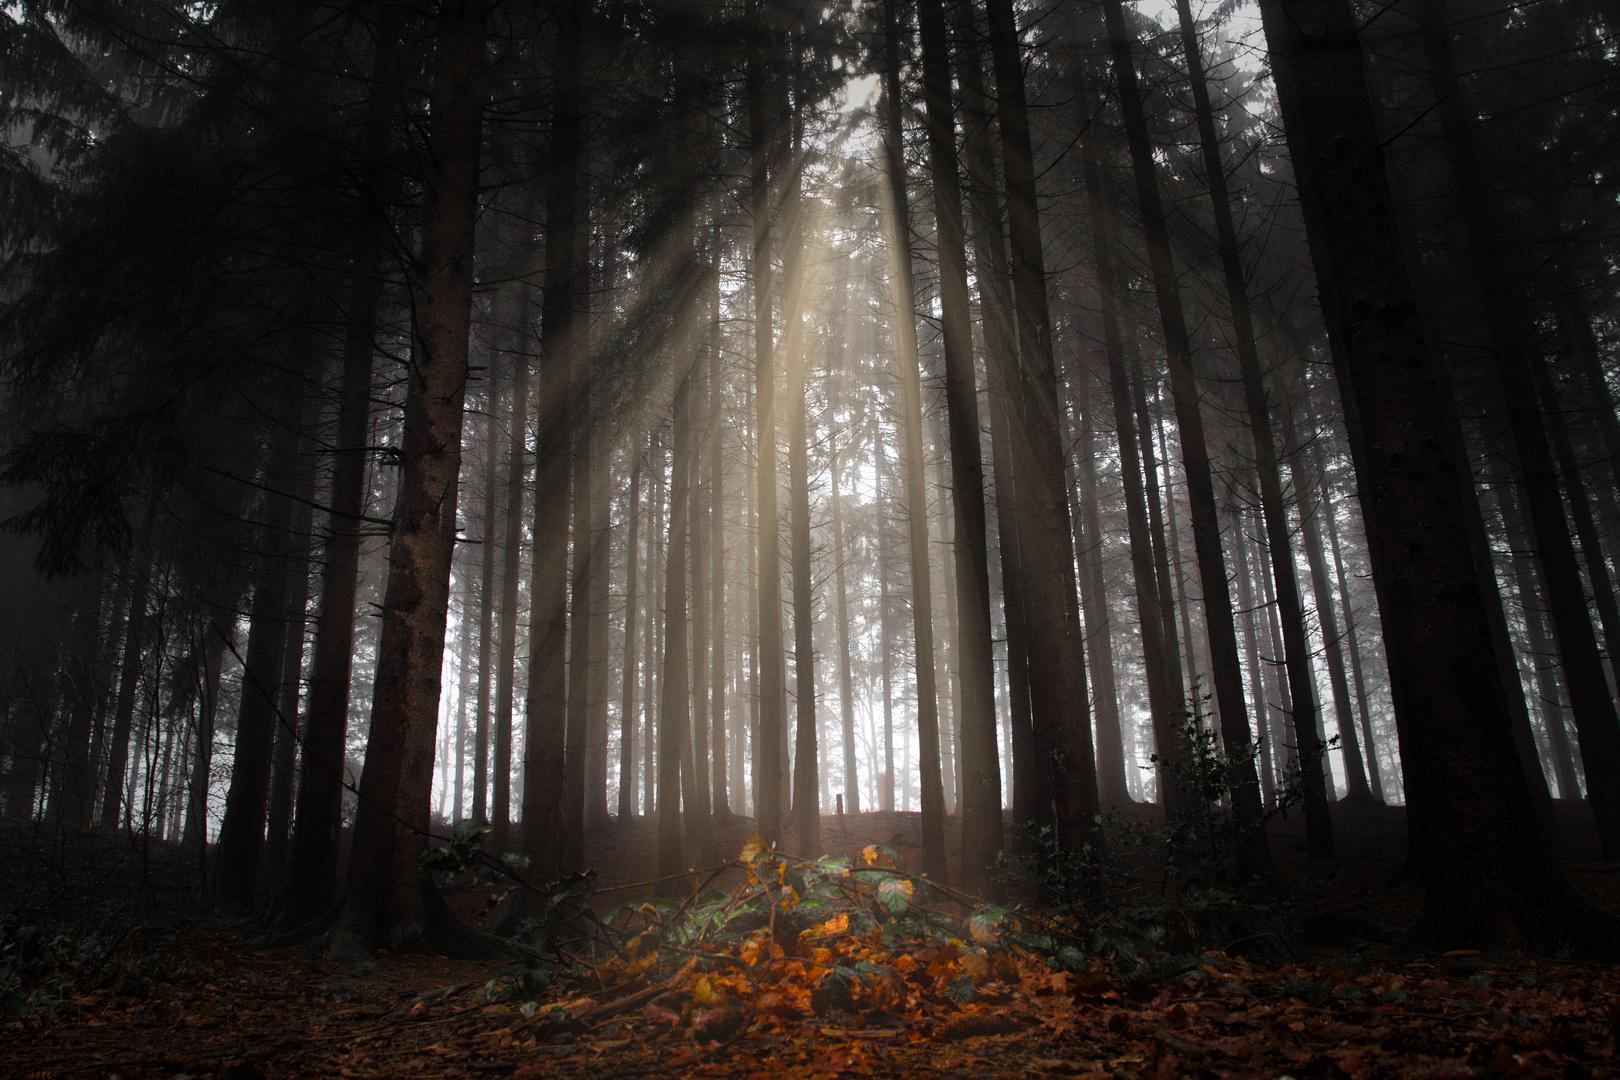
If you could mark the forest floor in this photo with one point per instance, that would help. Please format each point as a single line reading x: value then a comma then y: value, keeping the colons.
x: 107, y: 971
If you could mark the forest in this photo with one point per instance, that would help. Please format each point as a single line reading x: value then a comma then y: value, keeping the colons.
x: 876, y: 537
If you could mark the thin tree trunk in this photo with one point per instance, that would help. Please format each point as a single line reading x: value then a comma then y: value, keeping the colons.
x: 1355, y: 772
x: 545, y: 825
x: 1251, y: 648
x: 1374, y: 772
x: 719, y: 803
x: 627, y: 711
x: 498, y: 812
x: 288, y: 736
x: 1287, y: 752
x: 772, y: 676
x: 583, y: 543
x: 674, y: 711
x: 652, y: 647
x: 697, y: 754
x: 517, y: 469
x: 1112, y: 788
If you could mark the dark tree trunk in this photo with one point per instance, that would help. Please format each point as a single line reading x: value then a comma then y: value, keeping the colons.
x: 129, y: 679
x: 980, y: 799
x: 390, y: 898
x: 1001, y: 370
x: 545, y: 825
x: 312, y: 859
x: 907, y: 361
x: 1067, y: 796
x: 1481, y: 852
x: 498, y: 812
x: 583, y: 542
x: 651, y: 671
x: 627, y: 711
x: 674, y: 711
x: 1160, y: 547
x: 71, y: 783
x: 238, y: 854
x: 772, y: 672
x: 1580, y: 510
x: 517, y: 469
x: 288, y: 736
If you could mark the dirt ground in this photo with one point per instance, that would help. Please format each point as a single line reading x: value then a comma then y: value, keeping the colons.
x: 146, y: 987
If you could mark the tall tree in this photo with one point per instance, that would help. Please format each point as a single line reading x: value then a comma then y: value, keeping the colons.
x: 1480, y: 848
x: 561, y: 334
x: 1066, y: 798
x: 772, y: 672
x: 976, y: 715
x: 902, y: 289
x: 390, y: 898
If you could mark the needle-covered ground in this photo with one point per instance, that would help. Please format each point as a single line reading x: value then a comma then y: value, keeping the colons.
x: 782, y: 967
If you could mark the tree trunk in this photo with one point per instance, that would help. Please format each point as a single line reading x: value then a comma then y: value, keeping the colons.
x: 1543, y: 652
x: 1067, y: 797
x: 897, y: 221
x: 238, y: 854
x: 284, y: 761
x: 312, y: 860
x: 1481, y: 853
x: 390, y: 898
x: 1001, y: 370
x: 1580, y: 511
x: 499, y: 811
x: 719, y: 804
x: 1374, y: 773
x: 1251, y: 648
x: 584, y: 545
x: 1354, y: 771
x: 772, y: 665
x: 545, y: 827
x: 651, y: 648
x: 627, y: 711
x: 674, y: 710
x: 980, y: 799
x: 1112, y: 788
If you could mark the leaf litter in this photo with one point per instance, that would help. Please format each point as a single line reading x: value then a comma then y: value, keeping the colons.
x: 825, y: 968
